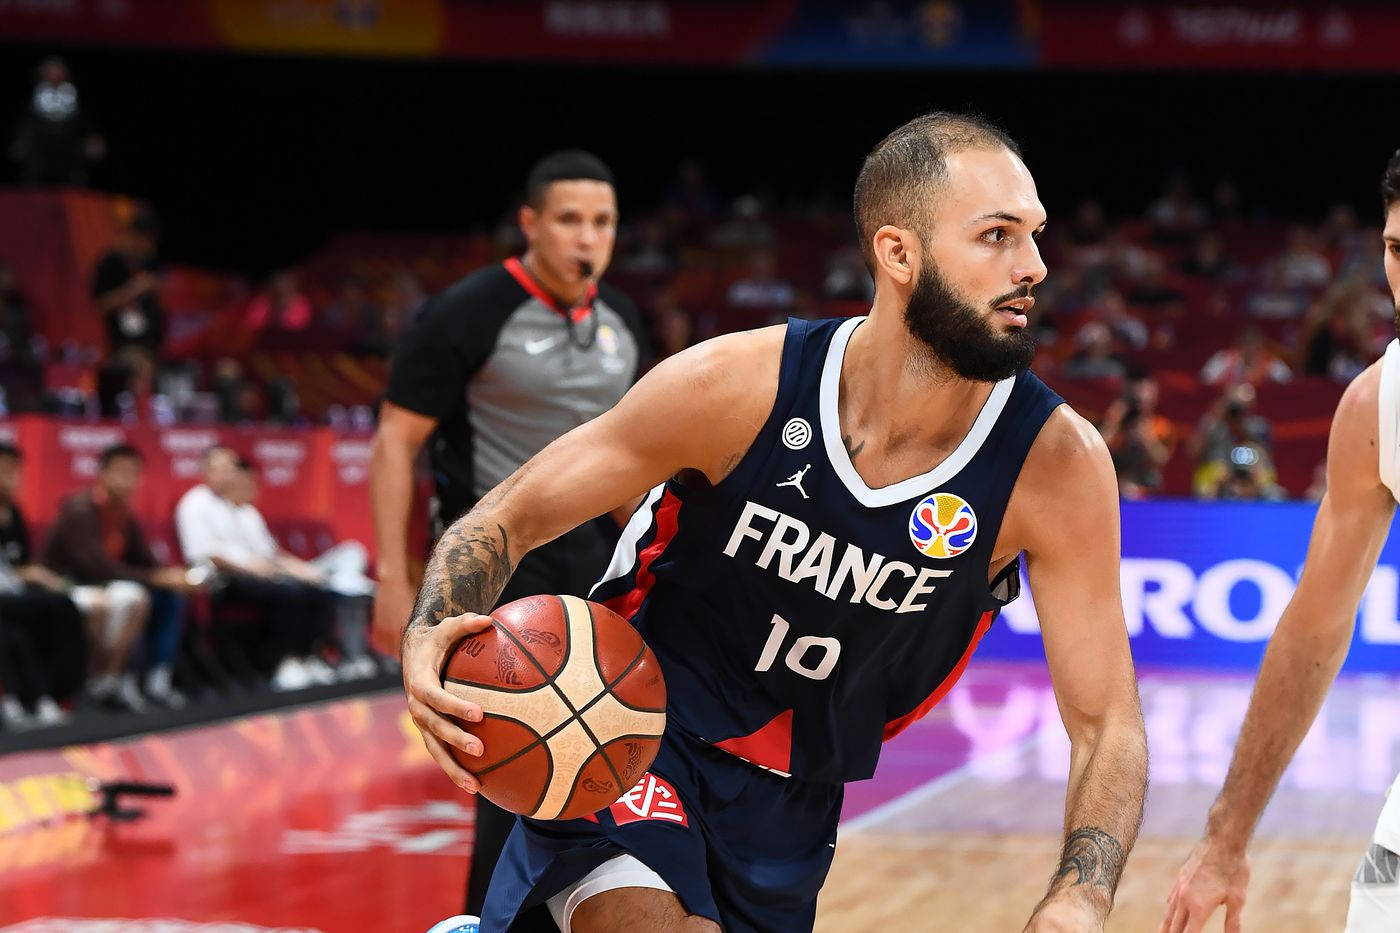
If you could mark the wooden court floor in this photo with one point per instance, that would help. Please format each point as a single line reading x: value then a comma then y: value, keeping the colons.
x: 972, y: 848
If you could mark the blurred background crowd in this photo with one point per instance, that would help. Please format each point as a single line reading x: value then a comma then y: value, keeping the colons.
x: 259, y: 266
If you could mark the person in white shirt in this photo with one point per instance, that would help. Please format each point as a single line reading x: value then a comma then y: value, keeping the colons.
x: 294, y: 601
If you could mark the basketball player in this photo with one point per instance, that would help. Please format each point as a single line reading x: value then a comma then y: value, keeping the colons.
x: 495, y: 367
x: 836, y: 513
x: 1310, y: 643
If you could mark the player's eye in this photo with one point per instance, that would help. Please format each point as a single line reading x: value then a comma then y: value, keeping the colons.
x: 1395, y: 250
x: 995, y: 235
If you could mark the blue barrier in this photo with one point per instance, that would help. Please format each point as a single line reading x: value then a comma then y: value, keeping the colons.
x: 1205, y: 582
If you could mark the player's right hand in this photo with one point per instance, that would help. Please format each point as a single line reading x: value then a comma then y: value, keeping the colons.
x: 1214, y: 874
x: 433, y: 709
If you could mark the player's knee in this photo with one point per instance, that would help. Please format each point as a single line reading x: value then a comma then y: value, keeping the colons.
x: 637, y: 910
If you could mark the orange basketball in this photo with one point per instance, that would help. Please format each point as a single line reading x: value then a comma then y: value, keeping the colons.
x: 573, y: 706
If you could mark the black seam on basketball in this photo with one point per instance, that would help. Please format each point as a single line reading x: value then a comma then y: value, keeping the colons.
x: 544, y: 788
x: 549, y: 679
x: 493, y: 687
x: 505, y: 761
x: 447, y: 661
x: 598, y: 666
x: 608, y: 688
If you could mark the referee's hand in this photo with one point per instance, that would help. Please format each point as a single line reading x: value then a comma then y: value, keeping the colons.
x: 393, y: 604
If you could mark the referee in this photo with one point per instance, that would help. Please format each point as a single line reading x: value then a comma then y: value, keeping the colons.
x: 496, y: 367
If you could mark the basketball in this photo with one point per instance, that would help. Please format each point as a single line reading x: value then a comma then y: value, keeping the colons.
x: 573, y: 706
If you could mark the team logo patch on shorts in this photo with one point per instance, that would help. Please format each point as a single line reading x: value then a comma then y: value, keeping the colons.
x: 652, y: 798
x: 943, y: 525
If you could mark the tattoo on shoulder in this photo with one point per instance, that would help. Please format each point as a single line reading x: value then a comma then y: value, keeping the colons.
x: 1091, y: 856
x: 852, y: 449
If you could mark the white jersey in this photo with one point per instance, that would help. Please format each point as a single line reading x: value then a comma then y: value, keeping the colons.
x: 1390, y: 418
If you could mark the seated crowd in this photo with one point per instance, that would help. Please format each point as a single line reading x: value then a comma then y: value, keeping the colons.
x: 97, y: 621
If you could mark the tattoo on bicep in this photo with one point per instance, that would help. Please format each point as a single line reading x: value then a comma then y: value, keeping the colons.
x: 467, y: 572
x: 852, y: 449
x: 1091, y: 856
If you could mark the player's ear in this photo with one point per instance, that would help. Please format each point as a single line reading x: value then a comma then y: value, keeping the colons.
x: 895, y: 253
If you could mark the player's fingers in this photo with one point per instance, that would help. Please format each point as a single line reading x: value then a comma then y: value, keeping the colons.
x: 1169, y: 915
x: 1198, y: 913
x: 1232, y: 918
x: 454, y: 628
x: 449, y: 733
x: 443, y: 756
x: 435, y: 698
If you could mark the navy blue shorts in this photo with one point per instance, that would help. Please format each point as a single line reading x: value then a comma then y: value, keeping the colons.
x: 740, y: 845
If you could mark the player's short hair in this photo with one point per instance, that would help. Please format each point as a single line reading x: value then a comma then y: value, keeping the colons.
x: 244, y: 465
x: 564, y: 165
x: 905, y: 169
x: 11, y: 451
x: 1390, y: 183
x: 119, y: 452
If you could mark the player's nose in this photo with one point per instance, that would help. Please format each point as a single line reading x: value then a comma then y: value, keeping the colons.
x: 1029, y: 268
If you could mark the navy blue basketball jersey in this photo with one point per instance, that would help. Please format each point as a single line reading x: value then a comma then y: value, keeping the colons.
x: 800, y: 617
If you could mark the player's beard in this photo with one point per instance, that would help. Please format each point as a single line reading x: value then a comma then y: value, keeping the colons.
x: 962, y: 337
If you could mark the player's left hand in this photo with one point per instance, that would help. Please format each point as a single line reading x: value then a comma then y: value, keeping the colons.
x: 434, y: 709
x: 1213, y: 874
x: 1064, y: 914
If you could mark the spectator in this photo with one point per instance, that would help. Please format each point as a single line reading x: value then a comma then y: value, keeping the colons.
x: 1140, y: 440
x: 1301, y: 264
x: 847, y: 278
x: 1249, y: 360
x: 651, y: 256
x: 295, y: 614
x: 1232, y: 438
x: 1088, y: 228
x: 54, y: 144
x: 355, y: 322
x: 1335, y: 340
x: 675, y: 330
x: 1248, y: 477
x: 97, y: 543
x: 746, y: 228
x: 41, y: 626
x: 406, y: 301
x: 1152, y: 289
x: 125, y: 286
x: 279, y: 307
x: 1274, y: 299
x: 1128, y: 331
x: 14, y: 316
x: 762, y: 288
x: 1176, y: 216
x: 1207, y: 259
x: 1095, y: 358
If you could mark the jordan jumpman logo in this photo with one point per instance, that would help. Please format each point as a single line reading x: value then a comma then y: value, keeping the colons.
x: 795, y: 480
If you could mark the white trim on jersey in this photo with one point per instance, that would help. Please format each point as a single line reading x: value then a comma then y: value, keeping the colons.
x: 624, y: 558
x: 914, y: 486
x: 1389, y: 408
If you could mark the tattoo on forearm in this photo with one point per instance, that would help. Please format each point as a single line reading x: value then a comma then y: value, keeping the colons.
x: 1091, y: 856
x: 467, y: 572
x: 852, y: 449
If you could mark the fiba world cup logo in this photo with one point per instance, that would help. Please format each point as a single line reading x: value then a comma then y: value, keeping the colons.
x: 943, y: 525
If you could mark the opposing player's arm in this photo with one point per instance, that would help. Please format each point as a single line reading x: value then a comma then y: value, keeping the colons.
x: 1301, y: 661
x: 699, y: 410
x: 1065, y: 510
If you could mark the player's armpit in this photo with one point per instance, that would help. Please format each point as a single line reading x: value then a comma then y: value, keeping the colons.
x: 1067, y: 522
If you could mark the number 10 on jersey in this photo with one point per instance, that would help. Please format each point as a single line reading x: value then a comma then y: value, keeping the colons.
x: 796, y: 656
